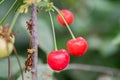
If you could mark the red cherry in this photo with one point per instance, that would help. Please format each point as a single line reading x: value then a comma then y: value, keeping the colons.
x: 68, y: 16
x: 58, y: 60
x: 77, y: 47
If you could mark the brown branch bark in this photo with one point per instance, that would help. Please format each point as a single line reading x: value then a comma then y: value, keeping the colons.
x: 101, y: 69
x: 34, y: 43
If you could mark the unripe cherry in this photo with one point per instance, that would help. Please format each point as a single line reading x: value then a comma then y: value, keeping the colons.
x: 6, y: 47
x: 68, y: 16
x: 77, y: 47
x: 58, y: 60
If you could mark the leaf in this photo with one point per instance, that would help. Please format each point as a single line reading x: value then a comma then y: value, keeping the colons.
x: 44, y: 73
x: 15, y: 66
x: 116, y: 40
x: 94, y: 42
x: 45, y: 38
x: 1, y: 2
x: 102, y: 5
x: 108, y: 48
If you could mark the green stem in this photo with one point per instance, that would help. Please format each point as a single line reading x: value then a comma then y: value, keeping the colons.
x: 53, y: 29
x: 13, y: 21
x: 65, y: 22
x: 6, y: 15
x: 2, y: 1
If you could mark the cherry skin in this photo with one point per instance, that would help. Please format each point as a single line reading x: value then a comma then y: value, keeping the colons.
x: 6, y: 47
x: 58, y: 60
x: 68, y: 16
x: 77, y: 47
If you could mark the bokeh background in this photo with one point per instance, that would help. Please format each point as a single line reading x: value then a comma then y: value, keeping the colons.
x: 98, y: 21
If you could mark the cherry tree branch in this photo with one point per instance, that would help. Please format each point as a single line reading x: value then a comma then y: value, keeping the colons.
x: 101, y: 69
x: 34, y: 42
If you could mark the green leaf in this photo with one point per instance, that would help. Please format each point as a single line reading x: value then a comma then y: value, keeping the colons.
x: 94, y: 42
x: 108, y: 48
x: 102, y: 5
x: 44, y: 73
x: 45, y: 37
x: 15, y: 66
x: 116, y: 40
x: 2, y: 1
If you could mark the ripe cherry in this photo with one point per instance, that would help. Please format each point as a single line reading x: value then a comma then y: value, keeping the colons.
x: 58, y: 60
x: 77, y: 47
x: 68, y: 16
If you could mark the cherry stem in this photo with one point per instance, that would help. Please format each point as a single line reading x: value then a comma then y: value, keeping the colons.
x: 53, y: 29
x: 9, y: 64
x: 13, y: 21
x: 68, y: 27
x: 18, y: 60
x: 10, y: 71
x: 6, y: 15
x: 9, y: 67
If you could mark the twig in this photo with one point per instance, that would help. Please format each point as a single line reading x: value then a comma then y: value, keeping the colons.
x: 20, y: 66
x: 34, y: 42
x: 101, y: 69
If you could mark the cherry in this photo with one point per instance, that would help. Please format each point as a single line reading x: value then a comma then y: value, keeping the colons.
x: 77, y: 47
x: 58, y: 59
x: 68, y: 16
x: 6, y: 47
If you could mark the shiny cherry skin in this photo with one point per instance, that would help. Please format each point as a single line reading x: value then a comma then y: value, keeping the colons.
x: 77, y: 47
x: 58, y: 60
x: 68, y: 16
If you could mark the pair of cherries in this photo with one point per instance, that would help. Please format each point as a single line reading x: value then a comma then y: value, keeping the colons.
x: 59, y: 59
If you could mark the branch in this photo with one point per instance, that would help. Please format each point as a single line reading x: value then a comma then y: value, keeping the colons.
x: 101, y: 69
x: 34, y: 42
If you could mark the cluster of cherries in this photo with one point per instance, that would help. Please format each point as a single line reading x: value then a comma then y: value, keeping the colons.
x: 59, y: 59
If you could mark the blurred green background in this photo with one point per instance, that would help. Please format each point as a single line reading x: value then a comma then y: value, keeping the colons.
x: 98, y: 21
